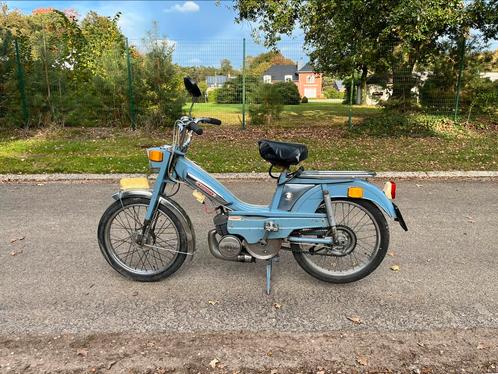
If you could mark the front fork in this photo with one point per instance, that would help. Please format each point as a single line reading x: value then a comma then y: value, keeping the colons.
x: 154, y: 199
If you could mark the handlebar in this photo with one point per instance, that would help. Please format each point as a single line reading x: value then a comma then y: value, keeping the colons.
x: 195, y: 128
x: 209, y: 120
x: 193, y: 125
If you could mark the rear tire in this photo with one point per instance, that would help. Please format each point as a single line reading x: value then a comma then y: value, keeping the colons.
x: 382, y: 229
x: 151, y: 266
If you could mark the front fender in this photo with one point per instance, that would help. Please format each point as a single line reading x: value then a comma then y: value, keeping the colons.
x: 311, y: 200
x: 173, y: 206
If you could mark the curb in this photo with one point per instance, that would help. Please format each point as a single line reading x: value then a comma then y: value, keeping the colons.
x: 6, y: 178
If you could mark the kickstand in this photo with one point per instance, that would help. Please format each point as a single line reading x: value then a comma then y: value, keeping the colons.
x: 268, y: 275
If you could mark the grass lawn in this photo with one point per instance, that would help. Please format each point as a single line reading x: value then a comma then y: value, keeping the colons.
x: 318, y: 112
x: 229, y: 149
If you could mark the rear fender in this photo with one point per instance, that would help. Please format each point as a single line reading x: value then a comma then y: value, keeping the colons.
x: 173, y: 206
x: 311, y: 200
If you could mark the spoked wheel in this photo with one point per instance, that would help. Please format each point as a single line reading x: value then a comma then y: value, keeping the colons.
x: 363, y: 239
x: 143, y: 256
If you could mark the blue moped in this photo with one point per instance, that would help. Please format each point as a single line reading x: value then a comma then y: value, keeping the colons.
x: 332, y: 221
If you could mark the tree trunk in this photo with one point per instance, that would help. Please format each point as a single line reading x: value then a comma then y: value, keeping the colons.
x: 363, y: 85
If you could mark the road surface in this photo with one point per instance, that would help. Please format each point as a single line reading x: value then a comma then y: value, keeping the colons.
x: 55, y: 283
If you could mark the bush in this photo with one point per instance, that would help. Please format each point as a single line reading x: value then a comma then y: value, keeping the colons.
x: 288, y: 92
x: 332, y: 93
x: 268, y: 105
x: 213, y: 95
x: 480, y: 97
x: 304, y: 100
x: 231, y: 92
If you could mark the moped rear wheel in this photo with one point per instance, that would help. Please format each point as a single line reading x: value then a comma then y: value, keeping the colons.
x: 364, y: 235
x: 147, y: 258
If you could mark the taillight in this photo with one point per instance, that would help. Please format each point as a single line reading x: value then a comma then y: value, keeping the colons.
x: 390, y: 190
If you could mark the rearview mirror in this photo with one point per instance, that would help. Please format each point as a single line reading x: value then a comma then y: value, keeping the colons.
x: 192, y: 87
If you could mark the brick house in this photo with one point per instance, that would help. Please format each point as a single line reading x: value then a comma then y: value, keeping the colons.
x: 307, y: 81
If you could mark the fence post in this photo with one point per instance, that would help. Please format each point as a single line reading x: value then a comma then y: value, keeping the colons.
x: 350, y: 121
x: 22, y: 86
x: 243, y: 83
x: 130, y: 88
x: 459, y: 79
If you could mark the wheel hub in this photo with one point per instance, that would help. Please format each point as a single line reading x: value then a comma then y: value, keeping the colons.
x: 346, y: 240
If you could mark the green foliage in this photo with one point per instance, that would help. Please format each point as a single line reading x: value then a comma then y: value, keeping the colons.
x: 304, y: 100
x: 289, y: 93
x: 267, y: 105
x: 76, y: 72
x: 372, y: 36
x: 332, y: 93
x: 231, y: 92
x: 213, y: 95
x: 481, y: 97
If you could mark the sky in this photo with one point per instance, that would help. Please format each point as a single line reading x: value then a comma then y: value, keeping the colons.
x: 202, y: 32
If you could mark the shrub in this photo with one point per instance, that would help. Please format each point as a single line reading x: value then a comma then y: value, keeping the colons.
x: 332, y: 93
x: 231, y: 92
x: 268, y: 105
x: 213, y: 95
x: 480, y: 97
x: 304, y: 100
x: 288, y: 92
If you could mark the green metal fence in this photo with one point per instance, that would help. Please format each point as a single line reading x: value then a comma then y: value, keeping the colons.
x: 137, y: 83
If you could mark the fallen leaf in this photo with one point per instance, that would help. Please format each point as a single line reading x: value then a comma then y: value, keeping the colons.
x: 269, y: 353
x: 82, y: 352
x: 16, y: 239
x: 277, y: 306
x: 214, y: 362
x: 418, y: 185
x: 362, y: 360
x: 111, y: 364
x: 395, y: 268
x: 421, y: 344
x: 13, y: 253
x: 355, y: 319
x: 213, y: 302
x: 392, y: 254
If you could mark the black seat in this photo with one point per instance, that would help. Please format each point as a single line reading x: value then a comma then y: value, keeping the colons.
x: 282, y: 154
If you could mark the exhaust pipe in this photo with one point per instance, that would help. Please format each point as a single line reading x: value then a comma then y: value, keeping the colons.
x: 215, y: 251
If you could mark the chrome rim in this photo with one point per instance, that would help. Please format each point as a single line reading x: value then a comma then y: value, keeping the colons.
x: 359, y: 237
x: 145, y: 255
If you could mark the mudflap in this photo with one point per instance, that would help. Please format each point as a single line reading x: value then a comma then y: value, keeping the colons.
x: 399, y: 218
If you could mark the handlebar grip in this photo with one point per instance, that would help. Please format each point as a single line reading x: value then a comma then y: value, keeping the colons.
x: 197, y: 129
x: 213, y: 121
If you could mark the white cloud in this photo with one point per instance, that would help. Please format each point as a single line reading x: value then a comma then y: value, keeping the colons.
x: 186, y: 7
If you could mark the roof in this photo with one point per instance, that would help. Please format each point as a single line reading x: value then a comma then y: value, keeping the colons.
x: 307, y: 68
x: 278, y: 72
x: 213, y: 80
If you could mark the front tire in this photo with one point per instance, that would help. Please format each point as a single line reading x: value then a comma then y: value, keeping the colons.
x: 351, y: 215
x: 157, y: 256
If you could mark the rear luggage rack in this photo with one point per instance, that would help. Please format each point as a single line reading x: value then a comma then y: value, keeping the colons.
x: 317, y: 174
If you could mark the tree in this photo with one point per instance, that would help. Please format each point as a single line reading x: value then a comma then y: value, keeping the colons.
x: 257, y: 65
x: 226, y: 67
x: 369, y: 36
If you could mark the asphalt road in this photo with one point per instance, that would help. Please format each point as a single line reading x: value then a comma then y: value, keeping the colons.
x: 58, y: 282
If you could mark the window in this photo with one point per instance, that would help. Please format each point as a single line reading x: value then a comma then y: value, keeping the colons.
x: 310, y: 78
x: 288, y: 78
x: 267, y: 78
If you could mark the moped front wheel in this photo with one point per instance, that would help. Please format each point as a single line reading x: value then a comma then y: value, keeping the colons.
x: 142, y: 256
x: 363, y: 236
